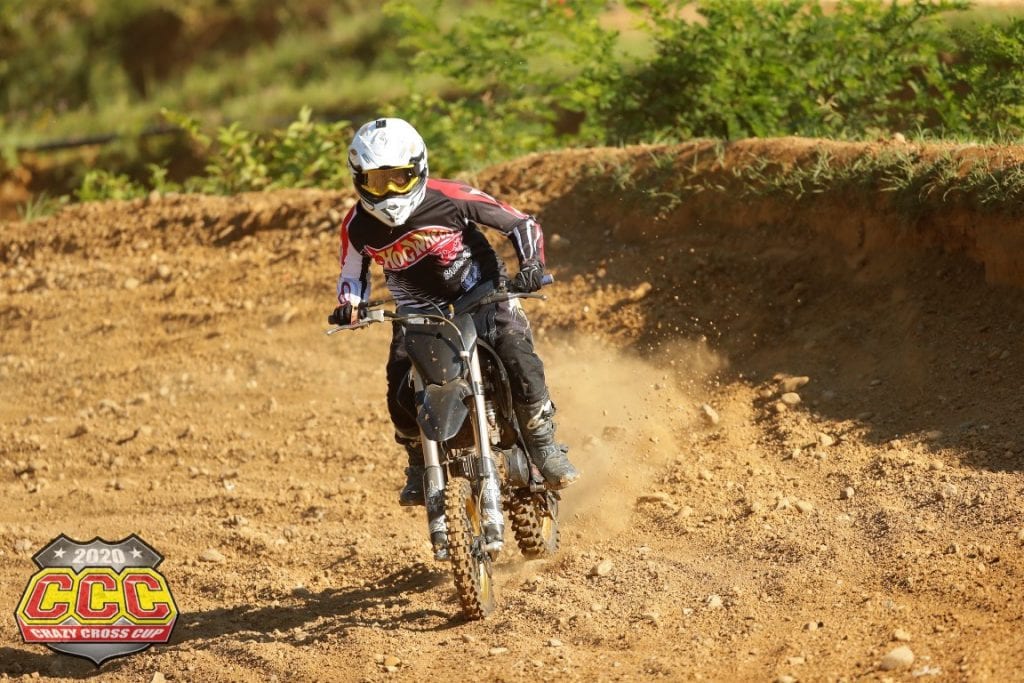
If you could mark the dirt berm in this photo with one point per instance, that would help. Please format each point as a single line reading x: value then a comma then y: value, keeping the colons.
x: 853, y: 485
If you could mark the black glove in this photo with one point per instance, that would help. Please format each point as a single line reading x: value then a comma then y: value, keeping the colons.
x: 342, y: 315
x: 530, y: 277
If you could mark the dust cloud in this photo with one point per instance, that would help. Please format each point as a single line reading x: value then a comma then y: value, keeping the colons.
x: 624, y: 417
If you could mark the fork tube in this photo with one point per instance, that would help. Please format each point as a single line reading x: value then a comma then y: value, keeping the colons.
x: 490, y: 489
x: 433, y: 488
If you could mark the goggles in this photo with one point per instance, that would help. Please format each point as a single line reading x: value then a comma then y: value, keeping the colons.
x: 382, y: 181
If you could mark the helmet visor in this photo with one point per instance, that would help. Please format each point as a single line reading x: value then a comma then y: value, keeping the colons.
x: 382, y: 181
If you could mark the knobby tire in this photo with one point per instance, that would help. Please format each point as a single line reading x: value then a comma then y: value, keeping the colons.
x: 471, y: 568
x: 536, y: 533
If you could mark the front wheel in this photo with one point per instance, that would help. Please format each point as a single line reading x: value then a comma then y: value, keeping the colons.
x: 471, y: 564
x: 534, y: 518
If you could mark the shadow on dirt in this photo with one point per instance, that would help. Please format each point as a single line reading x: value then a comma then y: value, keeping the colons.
x: 38, y: 660
x: 383, y: 604
x: 910, y: 345
x: 315, y: 617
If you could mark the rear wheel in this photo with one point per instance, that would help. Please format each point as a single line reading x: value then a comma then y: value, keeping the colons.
x: 471, y: 565
x: 534, y: 518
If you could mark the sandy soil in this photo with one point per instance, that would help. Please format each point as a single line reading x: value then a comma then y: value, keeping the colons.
x: 852, y: 487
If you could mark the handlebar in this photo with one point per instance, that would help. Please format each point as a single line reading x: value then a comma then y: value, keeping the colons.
x: 507, y: 294
x: 371, y: 313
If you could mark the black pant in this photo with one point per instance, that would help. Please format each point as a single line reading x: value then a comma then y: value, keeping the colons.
x: 504, y: 326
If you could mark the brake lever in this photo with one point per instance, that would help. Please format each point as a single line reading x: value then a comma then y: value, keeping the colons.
x: 366, y: 318
x: 344, y: 328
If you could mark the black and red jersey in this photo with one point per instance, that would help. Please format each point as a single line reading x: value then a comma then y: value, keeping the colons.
x: 439, y: 254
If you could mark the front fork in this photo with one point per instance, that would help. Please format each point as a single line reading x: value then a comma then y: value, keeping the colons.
x: 433, y: 491
x: 492, y: 519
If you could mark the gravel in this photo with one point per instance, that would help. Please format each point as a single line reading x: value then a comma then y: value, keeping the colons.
x: 899, y: 658
x: 901, y: 635
x: 790, y: 398
x: 212, y: 555
x: 791, y: 384
x: 710, y: 414
x: 641, y: 291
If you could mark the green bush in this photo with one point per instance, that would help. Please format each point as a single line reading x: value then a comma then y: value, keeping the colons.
x: 787, y: 67
x: 100, y: 185
x: 306, y: 153
x: 989, y: 73
x: 523, y: 75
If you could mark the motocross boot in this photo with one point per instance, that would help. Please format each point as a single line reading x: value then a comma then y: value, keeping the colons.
x: 550, y: 457
x: 412, y: 493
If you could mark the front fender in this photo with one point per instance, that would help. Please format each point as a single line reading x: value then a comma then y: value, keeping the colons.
x: 444, y: 409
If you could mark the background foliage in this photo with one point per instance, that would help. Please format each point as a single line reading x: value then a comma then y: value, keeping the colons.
x: 80, y: 67
x: 788, y: 67
x: 526, y: 74
x: 488, y: 81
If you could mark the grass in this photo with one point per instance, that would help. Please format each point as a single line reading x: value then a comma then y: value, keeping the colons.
x: 985, y: 14
x: 913, y: 179
x: 40, y: 206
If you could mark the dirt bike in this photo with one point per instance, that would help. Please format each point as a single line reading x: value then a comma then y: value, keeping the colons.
x: 475, y: 457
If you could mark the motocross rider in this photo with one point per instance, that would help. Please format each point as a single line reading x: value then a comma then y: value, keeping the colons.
x: 425, y: 233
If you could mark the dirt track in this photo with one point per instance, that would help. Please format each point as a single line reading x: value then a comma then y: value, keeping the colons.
x: 163, y: 372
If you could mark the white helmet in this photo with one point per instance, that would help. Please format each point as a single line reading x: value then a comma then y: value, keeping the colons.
x: 388, y: 161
